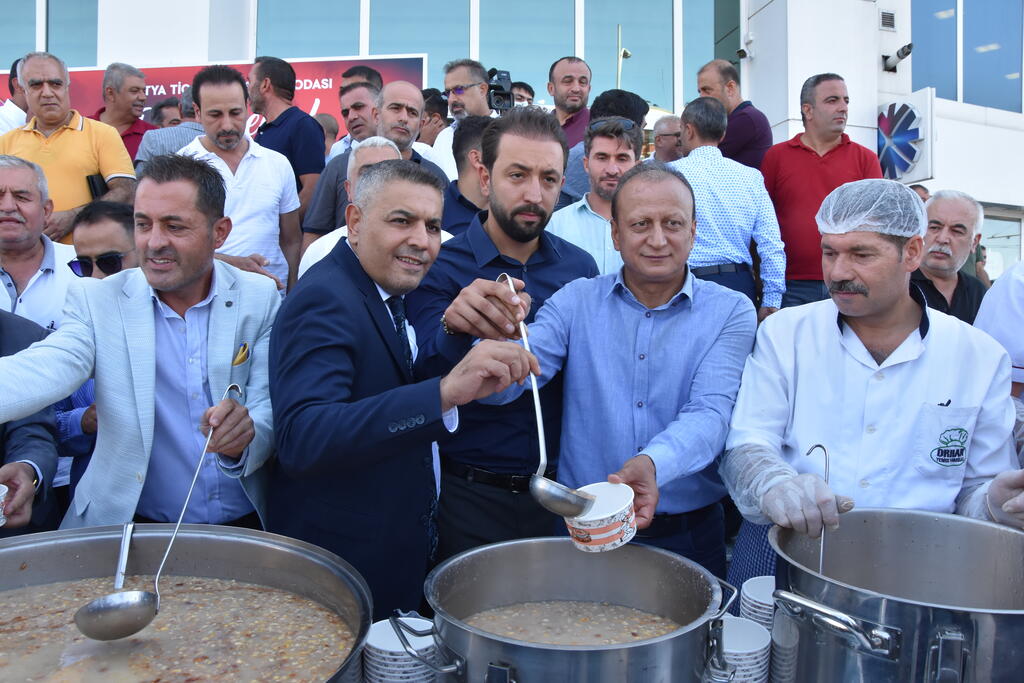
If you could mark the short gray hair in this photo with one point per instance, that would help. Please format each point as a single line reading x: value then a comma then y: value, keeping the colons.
x: 42, y: 55
x: 376, y: 176
x: 115, y: 74
x: 708, y: 117
x: 661, y: 124
x: 476, y: 69
x: 953, y: 195
x: 8, y: 161
x: 373, y: 141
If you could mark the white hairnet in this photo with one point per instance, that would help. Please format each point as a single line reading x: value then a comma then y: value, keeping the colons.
x: 873, y: 205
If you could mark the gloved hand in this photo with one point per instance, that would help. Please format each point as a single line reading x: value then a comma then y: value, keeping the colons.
x: 1006, y: 498
x: 804, y: 503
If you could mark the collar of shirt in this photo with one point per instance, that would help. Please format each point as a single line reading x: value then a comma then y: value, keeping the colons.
x: 200, y: 152
x: 583, y: 205
x: 909, y: 349
x: 485, y: 252
x: 281, y: 119
x: 795, y: 141
x: 76, y: 122
x: 49, y: 260
x: 138, y: 127
x: 618, y: 285
x: 742, y: 105
x: 455, y: 195
x: 166, y: 310
x: 705, y: 152
x: 573, y: 118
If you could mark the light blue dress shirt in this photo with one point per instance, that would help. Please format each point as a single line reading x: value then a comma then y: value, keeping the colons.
x: 181, y: 400
x: 732, y: 206
x: 588, y: 230
x: 660, y: 381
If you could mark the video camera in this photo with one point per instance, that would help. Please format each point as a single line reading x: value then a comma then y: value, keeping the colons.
x: 499, y: 93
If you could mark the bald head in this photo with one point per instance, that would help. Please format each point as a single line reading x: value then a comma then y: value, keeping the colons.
x: 720, y: 79
x: 400, y: 106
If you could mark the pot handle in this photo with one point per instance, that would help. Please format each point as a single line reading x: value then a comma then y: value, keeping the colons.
x: 716, y: 669
x: 400, y: 626
x: 868, y: 637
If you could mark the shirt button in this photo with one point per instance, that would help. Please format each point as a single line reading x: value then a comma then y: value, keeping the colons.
x: 879, y: 376
x: 647, y: 314
x: 639, y: 404
x: 191, y: 361
x: 194, y: 395
x: 864, y: 483
x: 642, y: 356
x: 871, y: 429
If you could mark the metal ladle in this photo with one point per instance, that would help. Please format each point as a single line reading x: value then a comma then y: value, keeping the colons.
x: 558, y: 498
x: 119, y: 615
x: 821, y: 548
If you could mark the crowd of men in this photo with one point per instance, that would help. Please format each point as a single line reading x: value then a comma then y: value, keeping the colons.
x: 698, y: 318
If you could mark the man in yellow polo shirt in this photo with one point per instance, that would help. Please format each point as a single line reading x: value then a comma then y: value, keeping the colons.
x: 68, y: 146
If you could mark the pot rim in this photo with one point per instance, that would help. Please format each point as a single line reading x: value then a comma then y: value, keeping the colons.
x: 773, y: 539
x: 444, y: 616
x: 307, y: 551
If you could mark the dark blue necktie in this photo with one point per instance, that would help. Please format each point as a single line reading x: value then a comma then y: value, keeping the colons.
x: 397, y: 307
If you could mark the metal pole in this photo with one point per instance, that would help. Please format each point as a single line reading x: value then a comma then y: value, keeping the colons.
x: 618, y: 56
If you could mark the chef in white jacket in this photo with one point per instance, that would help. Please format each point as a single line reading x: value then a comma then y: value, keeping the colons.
x: 911, y: 404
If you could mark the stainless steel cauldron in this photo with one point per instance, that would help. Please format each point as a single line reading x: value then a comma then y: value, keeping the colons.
x: 905, y: 596
x: 200, y: 550
x: 531, y: 570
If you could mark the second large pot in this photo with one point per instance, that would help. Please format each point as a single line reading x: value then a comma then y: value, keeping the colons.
x: 905, y: 596
x: 532, y: 570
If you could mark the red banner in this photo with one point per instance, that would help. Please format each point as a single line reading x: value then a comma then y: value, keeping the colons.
x: 316, y: 82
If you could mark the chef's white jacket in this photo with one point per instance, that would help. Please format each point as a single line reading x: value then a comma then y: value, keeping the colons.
x: 933, y: 418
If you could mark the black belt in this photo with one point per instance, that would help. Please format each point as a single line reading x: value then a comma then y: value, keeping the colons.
x: 667, y: 525
x: 516, y: 483
x: 723, y: 268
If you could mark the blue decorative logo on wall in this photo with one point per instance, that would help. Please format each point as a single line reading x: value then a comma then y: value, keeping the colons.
x: 899, y: 133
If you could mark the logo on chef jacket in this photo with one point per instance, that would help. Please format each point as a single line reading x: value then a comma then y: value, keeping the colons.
x: 952, y: 449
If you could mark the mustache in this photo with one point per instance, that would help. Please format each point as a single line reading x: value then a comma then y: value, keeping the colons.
x: 12, y: 215
x: 165, y: 252
x: 940, y: 249
x: 846, y: 287
x: 530, y: 208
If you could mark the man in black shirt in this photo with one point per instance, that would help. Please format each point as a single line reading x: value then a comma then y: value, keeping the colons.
x: 954, y: 230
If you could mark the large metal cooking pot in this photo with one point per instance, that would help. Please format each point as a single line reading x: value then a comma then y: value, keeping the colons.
x: 200, y: 550
x: 539, y: 569
x: 904, y: 596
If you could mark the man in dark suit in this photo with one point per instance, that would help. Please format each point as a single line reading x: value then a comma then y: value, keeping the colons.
x: 28, y: 447
x: 353, y: 422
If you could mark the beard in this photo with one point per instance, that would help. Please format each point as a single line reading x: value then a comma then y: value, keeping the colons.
x: 507, y: 220
x: 570, y: 108
x: 227, y: 139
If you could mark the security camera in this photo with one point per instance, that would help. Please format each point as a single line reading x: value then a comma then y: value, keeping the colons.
x: 744, y: 53
x: 889, y: 62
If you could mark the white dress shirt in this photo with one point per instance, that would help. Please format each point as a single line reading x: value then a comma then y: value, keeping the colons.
x: 933, y: 418
x: 258, y: 193
x: 11, y: 116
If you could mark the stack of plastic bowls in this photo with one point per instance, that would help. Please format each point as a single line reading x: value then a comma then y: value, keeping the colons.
x: 748, y: 647
x: 386, y: 661
x: 784, y: 641
x: 756, y: 601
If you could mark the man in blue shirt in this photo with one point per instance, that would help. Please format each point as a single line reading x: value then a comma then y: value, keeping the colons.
x: 651, y: 358
x: 486, y: 466
x: 288, y: 129
x: 464, y: 198
x: 733, y: 207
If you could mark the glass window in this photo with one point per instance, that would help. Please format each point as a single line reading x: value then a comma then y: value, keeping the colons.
x: 19, y: 35
x: 992, y: 53
x: 512, y: 39
x: 1001, y: 239
x: 311, y: 28
x: 647, y: 34
x: 71, y: 31
x: 700, y: 29
x: 933, y: 28
x: 439, y: 29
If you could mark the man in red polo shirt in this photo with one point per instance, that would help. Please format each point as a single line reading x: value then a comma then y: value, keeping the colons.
x: 801, y: 172
x: 124, y: 98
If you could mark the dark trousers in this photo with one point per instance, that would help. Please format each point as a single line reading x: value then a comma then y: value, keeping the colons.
x: 799, y: 292
x: 471, y: 514
x: 249, y: 521
x: 698, y: 535
x: 740, y: 281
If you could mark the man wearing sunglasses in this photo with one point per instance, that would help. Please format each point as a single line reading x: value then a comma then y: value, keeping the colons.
x: 465, y: 87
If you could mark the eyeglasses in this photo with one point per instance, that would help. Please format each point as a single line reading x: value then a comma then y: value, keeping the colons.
x: 627, y: 124
x: 669, y: 135
x: 459, y: 90
x: 108, y: 263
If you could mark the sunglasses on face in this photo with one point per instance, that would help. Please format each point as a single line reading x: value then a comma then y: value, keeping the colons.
x: 108, y: 263
x: 459, y: 90
x: 626, y: 124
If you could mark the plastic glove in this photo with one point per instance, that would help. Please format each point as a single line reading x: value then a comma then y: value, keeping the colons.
x: 1006, y: 498
x: 805, y: 504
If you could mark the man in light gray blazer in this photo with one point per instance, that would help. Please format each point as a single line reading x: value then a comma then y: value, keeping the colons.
x: 163, y: 342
